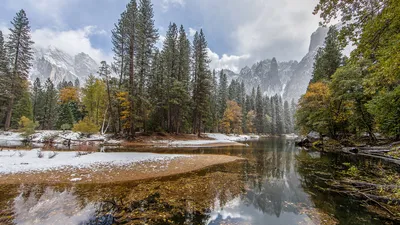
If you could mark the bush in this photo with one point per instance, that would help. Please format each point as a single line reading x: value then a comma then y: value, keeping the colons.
x: 27, y: 126
x: 86, y: 126
x: 65, y: 127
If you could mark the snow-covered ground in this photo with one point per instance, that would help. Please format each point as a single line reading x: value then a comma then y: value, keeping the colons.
x: 28, y: 161
x: 57, y: 137
x: 10, y: 139
x: 218, y: 139
x: 232, y: 137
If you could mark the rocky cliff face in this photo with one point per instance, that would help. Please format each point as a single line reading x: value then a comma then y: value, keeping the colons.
x: 272, y: 76
x: 297, y: 86
x: 58, y: 66
x: 288, y: 79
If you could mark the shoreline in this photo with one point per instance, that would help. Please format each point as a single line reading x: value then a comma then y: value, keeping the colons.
x: 53, y: 139
x: 111, y: 174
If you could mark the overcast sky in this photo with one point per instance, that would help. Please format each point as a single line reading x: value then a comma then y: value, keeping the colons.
x: 239, y: 32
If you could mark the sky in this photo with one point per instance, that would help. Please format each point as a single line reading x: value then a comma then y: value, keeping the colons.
x: 239, y: 32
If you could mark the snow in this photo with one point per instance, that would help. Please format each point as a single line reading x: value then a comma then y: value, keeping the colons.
x: 11, y: 136
x: 232, y: 138
x: 11, y: 139
x: 28, y: 161
x: 218, y: 139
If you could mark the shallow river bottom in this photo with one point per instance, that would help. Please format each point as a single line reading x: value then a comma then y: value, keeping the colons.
x: 273, y: 186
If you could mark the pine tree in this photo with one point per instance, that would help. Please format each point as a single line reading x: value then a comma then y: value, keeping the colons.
x: 201, y: 81
x: 49, y: 106
x: 279, y: 125
x: 37, y: 104
x: 259, y: 112
x: 170, y: 56
x: 23, y: 107
x: 19, y: 54
x: 130, y: 18
x: 287, y: 118
x: 147, y: 36
x: 222, y: 94
x: 214, y: 104
x: 253, y: 99
x: 4, y: 73
x: 120, y: 42
x: 329, y: 58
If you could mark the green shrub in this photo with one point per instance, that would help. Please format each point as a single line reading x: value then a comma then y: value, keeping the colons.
x: 86, y: 126
x: 65, y: 127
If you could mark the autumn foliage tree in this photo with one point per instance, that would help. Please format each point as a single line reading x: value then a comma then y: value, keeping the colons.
x: 232, y: 120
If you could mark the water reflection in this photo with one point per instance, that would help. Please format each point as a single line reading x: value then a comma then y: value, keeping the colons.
x: 50, y: 207
x: 269, y: 188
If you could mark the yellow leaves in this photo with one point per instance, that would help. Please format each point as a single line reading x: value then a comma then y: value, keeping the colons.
x: 232, y: 120
x: 123, y: 99
x: 69, y: 94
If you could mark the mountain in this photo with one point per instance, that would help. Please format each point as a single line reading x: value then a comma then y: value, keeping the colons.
x: 58, y: 65
x: 297, y: 86
x: 271, y: 75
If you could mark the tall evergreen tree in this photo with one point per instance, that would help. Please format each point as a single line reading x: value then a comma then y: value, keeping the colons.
x: 222, y: 94
x: 3, y: 71
x: 201, y: 81
x: 130, y: 18
x: 259, y: 112
x: 20, y: 54
x: 37, y: 93
x: 287, y: 118
x: 328, y: 58
x: 49, y: 106
x: 147, y: 36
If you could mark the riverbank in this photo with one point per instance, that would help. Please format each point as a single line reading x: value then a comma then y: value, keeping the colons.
x: 68, y: 167
x: 73, y: 140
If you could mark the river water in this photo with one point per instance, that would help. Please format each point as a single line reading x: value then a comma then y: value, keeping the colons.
x: 273, y: 186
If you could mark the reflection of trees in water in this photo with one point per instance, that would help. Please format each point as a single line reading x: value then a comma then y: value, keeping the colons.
x: 181, y: 199
x: 274, y: 185
x: 317, y: 169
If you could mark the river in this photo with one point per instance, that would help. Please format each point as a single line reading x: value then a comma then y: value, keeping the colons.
x: 273, y: 186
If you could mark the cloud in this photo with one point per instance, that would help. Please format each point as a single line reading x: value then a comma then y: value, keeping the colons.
x: 49, y: 10
x: 71, y: 41
x: 231, y: 62
x: 261, y: 28
x: 166, y: 4
x: 192, y: 32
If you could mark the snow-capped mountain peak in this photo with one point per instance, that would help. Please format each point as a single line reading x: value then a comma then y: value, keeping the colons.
x: 58, y: 65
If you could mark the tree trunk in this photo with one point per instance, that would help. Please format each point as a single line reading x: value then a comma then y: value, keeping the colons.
x: 9, y: 114
x: 132, y: 86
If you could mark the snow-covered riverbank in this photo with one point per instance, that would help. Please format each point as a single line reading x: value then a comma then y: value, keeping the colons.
x: 29, y: 161
x: 60, y: 138
x: 214, y: 140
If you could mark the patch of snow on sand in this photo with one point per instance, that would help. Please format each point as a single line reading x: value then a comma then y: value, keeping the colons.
x: 11, y: 161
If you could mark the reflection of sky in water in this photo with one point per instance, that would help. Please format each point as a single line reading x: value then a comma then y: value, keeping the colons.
x: 274, y: 195
x: 51, y: 208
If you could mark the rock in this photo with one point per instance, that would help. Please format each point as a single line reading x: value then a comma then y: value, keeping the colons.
x: 313, y: 136
x: 354, y: 150
x: 305, y: 142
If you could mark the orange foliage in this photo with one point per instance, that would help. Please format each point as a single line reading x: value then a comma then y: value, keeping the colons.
x: 69, y: 94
